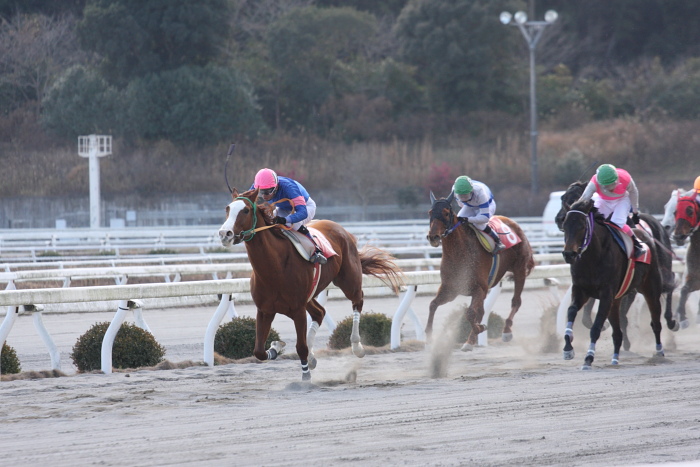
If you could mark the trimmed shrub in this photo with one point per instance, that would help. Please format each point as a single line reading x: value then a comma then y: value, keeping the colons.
x: 375, y: 330
x: 494, y: 326
x: 133, y: 348
x: 9, y: 363
x: 236, y: 339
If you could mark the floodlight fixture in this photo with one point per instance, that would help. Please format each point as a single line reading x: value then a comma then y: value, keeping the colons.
x: 505, y: 17
x: 520, y: 17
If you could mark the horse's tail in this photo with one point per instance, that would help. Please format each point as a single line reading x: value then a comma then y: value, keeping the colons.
x: 380, y: 264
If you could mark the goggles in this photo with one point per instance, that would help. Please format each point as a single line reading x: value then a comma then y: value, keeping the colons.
x: 268, y: 191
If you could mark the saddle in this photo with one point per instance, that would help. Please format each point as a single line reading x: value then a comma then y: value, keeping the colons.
x: 624, y: 241
x: 305, y: 247
x: 507, y: 236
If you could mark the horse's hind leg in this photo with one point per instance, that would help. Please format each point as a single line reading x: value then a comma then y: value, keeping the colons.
x: 302, y: 347
x: 653, y: 299
x: 317, y: 313
x: 607, y: 308
x: 263, y: 324
x: 625, y: 305
x: 350, y: 282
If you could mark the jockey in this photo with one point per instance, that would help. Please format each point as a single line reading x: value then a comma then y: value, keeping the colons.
x: 273, y: 188
x: 477, y: 206
x: 615, y: 194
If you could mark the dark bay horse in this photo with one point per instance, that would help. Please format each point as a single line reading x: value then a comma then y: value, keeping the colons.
x: 688, y: 225
x: 664, y: 250
x: 598, y: 269
x: 466, y: 266
x: 283, y: 281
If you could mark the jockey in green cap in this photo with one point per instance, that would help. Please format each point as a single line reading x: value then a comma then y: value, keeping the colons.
x: 615, y: 194
x: 477, y: 206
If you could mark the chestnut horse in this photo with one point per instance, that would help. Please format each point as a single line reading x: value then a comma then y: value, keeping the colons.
x: 598, y: 270
x: 688, y: 225
x: 466, y: 266
x: 282, y: 280
x: 664, y: 250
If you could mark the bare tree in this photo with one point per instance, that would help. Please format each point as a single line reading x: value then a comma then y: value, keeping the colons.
x: 36, y: 50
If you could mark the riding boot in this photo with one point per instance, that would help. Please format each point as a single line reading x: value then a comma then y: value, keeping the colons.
x: 498, y: 246
x: 317, y: 257
x: 638, y: 250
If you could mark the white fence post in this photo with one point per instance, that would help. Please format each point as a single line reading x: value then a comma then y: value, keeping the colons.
x: 108, y: 341
x: 213, y: 326
x: 396, y: 321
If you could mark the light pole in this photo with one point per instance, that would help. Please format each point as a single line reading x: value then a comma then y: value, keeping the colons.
x: 93, y: 147
x: 532, y: 31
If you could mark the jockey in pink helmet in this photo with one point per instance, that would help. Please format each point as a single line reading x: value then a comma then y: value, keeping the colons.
x: 615, y: 194
x: 274, y: 188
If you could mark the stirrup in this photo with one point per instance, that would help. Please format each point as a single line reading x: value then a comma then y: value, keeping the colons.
x: 318, y: 257
x: 497, y: 247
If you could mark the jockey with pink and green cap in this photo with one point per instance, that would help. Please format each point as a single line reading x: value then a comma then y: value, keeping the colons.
x: 615, y: 194
x: 273, y: 188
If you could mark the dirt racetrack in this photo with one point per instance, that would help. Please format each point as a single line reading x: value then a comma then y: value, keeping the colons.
x: 516, y: 403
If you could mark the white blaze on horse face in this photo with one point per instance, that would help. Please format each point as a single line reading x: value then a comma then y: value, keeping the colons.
x: 669, y: 220
x: 233, y: 209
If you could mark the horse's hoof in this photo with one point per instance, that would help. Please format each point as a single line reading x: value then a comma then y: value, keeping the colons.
x: 569, y: 355
x: 507, y: 336
x: 615, y: 361
x: 312, y: 362
x: 659, y: 353
x: 467, y: 347
x: 585, y: 367
x: 358, y: 350
x: 278, y: 346
x: 685, y: 324
x: 306, y: 376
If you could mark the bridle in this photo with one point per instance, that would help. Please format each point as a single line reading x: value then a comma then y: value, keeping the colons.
x: 588, y: 234
x: 247, y: 235
x: 450, y: 226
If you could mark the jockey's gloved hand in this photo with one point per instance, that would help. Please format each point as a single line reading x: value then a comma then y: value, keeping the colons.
x: 635, y: 218
x: 280, y: 220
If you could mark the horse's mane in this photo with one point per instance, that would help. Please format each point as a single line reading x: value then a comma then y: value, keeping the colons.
x: 588, y: 206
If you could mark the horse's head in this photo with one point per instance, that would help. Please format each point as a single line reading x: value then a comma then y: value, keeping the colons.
x: 241, y: 218
x: 572, y: 194
x: 687, y: 220
x: 441, y: 218
x: 577, y: 229
x: 669, y: 219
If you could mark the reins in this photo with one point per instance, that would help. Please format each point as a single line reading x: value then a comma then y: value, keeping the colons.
x: 247, y: 235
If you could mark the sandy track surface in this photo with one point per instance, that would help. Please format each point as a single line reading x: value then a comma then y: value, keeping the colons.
x: 516, y: 403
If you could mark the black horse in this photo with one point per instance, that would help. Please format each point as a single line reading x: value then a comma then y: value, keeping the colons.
x: 665, y: 255
x: 598, y: 267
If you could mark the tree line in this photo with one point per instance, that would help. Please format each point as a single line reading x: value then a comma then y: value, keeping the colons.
x: 210, y: 71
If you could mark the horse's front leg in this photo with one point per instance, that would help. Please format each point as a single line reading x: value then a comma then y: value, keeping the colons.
x: 444, y: 295
x: 606, y: 304
x: 263, y: 324
x: 578, y: 298
x: 302, y: 348
x: 475, y: 313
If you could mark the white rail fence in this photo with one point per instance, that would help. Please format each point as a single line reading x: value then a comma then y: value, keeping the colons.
x: 131, y: 297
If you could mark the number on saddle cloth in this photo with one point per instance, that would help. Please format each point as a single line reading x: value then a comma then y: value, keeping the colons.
x: 507, y: 236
